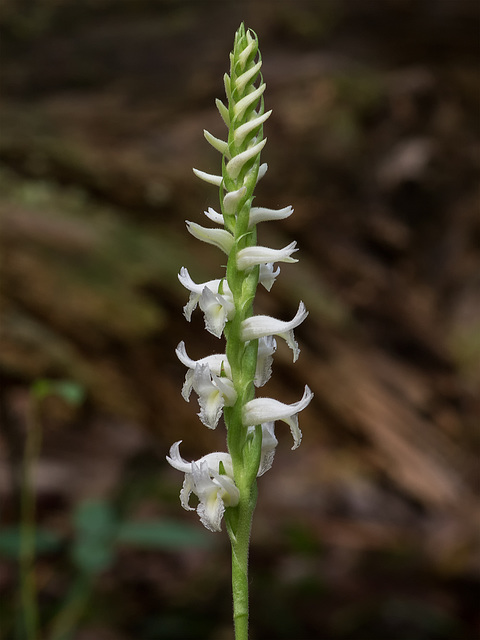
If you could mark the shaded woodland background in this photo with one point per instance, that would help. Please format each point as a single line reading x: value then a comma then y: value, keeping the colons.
x: 370, y: 529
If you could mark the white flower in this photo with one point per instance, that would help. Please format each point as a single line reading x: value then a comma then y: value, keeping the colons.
x: 242, y: 105
x: 262, y: 410
x: 220, y: 238
x: 235, y: 165
x: 251, y: 256
x: 217, y: 363
x: 219, y: 145
x: 217, y: 307
x: 260, y: 326
x: 211, y: 479
x: 214, y: 216
x: 208, y: 177
x: 243, y: 130
x: 262, y: 170
x: 261, y: 214
x: 266, y: 348
x: 217, y: 310
x: 269, y: 443
x: 232, y: 198
x: 214, y: 392
x: 267, y: 275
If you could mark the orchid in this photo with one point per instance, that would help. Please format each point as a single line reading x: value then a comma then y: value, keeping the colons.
x: 211, y: 480
x: 226, y: 483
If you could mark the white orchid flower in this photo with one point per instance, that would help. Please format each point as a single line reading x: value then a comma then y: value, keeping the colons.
x: 251, y: 256
x: 208, y: 177
x: 260, y: 326
x: 267, y: 275
x: 266, y: 348
x: 262, y: 410
x: 214, y: 392
x: 269, y: 443
x: 214, y: 216
x: 262, y: 214
x: 217, y: 307
x: 232, y: 198
x: 220, y: 238
x: 211, y: 479
x: 217, y: 363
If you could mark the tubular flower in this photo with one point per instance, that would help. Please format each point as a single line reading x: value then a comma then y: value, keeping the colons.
x: 211, y: 480
x: 261, y: 410
x: 260, y: 326
x: 215, y: 299
x: 225, y: 382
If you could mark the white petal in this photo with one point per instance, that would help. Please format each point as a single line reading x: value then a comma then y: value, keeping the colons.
x: 261, y: 214
x: 244, y: 129
x: 269, y: 443
x: 251, y: 256
x: 219, y: 145
x: 217, y: 309
x: 261, y: 410
x: 220, y: 238
x: 197, y: 289
x: 217, y: 362
x: 227, y: 83
x: 208, y: 177
x: 259, y: 326
x: 214, y: 490
x: 242, y: 81
x: 223, y: 110
x: 231, y: 200
x: 266, y: 348
x: 242, y: 105
x: 237, y: 162
x: 244, y: 54
x: 214, y: 216
x: 262, y: 170
x: 267, y: 275
x: 176, y: 460
x: 210, y: 399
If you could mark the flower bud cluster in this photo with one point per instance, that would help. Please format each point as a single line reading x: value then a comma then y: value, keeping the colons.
x: 225, y: 382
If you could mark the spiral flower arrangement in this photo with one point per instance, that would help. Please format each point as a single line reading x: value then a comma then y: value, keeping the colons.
x: 225, y: 482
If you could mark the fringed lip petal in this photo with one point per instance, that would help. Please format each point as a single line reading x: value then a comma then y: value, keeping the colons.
x: 217, y: 309
x: 261, y: 410
x: 260, y: 326
x: 251, y: 256
x: 268, y: 275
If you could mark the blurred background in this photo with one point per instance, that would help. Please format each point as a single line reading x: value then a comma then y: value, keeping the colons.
x: 370, y: 529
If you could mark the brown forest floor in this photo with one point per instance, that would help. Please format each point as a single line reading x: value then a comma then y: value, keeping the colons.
x: 369, y: 530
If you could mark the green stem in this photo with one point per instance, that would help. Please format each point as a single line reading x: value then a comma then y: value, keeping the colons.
x: 241, y: 517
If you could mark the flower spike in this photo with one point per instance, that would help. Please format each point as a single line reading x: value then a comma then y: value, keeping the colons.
x: 225, y: 383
